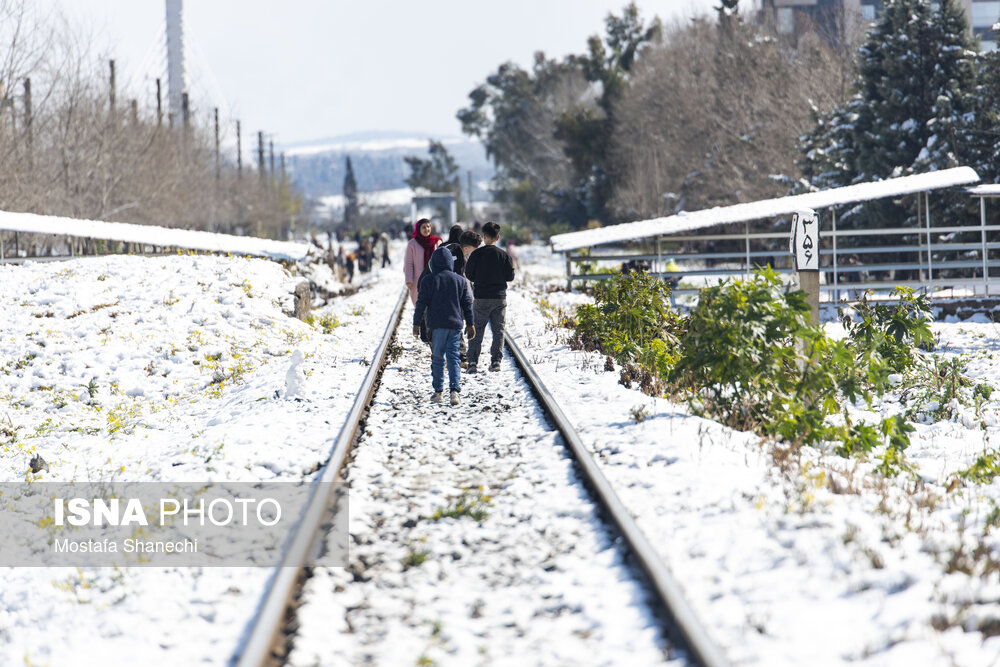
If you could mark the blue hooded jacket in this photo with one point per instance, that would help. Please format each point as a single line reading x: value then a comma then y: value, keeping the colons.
x: 443, y: 294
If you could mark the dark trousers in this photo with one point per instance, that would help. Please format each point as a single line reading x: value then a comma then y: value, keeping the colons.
x: 493, y: 311
x: 444, y: 350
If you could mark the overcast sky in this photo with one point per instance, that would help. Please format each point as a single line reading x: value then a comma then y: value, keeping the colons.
x: 304, y: 70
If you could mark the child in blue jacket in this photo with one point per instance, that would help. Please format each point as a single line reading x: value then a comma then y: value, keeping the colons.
x: 445, y: 297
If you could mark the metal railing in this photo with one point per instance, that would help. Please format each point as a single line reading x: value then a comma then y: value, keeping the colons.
x: 939, y: 260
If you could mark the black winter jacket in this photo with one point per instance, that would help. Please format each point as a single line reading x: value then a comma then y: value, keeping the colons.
x: 443, y: 294
x: 490, y: 269
x: 456, y: 252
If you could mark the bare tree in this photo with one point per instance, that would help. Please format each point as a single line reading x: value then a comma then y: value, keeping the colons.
x: 712, y: 117
x: 65, y: 150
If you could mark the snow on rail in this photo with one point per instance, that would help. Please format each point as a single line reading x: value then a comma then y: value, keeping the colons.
x: 765, y: 208
x: 151, y: 235
x: 986, y: 190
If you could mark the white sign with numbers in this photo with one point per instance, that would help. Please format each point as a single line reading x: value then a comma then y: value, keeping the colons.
x: 804, y: 243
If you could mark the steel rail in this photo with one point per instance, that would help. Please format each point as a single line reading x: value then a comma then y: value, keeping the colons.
x: 267, y: 623
x: 687, y: 629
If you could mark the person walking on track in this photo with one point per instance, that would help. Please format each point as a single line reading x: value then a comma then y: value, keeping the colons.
x: 383, y: 240
x: 490, y: 269
x: 419, y: 249
x: 421, y: 245
x: 445, y: 297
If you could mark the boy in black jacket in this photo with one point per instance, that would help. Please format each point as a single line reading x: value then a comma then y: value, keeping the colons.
x: 490, y: 269
x: 445, y: 296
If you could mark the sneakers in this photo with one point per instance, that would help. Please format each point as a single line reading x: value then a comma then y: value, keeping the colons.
x: 495, y: 366
x: 456, y: 398
x: 438, y: 397
x: 471, y: 370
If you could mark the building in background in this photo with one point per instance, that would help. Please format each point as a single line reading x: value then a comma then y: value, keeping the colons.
x: 985, y: 14
x: 838, y: 21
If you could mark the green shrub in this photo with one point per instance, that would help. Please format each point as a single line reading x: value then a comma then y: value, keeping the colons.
x: 751, y: 359
x: 984, y: 469
x: 935, y: 386
x: 329, y: 322
x: 741, y: 347
x: 632, y: 321
x: 894, y: 332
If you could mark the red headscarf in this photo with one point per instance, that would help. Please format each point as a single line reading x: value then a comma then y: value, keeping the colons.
x: 428, y: 243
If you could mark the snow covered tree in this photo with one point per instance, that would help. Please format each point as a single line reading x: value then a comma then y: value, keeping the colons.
x: 351, y: 208
x: 988, y: 118
x: 914, y: 106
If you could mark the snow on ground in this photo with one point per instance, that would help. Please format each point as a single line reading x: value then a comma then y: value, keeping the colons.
x: 820, y: 563
x: 181, y: 368
x: 164, y: 369
x: 536, y: 581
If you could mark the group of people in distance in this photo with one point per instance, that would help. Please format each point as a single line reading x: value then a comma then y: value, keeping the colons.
x: 365, y: 257
x: 459, y: 281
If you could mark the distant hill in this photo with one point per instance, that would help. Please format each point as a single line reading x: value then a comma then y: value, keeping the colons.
x: 318, y: 167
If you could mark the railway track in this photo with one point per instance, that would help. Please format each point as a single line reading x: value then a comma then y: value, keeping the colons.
x: 272, y: 634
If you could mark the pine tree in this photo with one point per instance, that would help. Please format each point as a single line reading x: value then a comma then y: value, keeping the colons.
x: 351, y: 209
x: 913, y: 109
x: 951, y: 137
x: 987, y: 136
x: 585, y: 131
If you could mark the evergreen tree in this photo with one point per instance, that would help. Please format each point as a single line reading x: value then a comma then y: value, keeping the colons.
x: 586, y: 131
x: 514, y: 114
x: 913, y: 110
x: 437, y: 174
x: 549, y: 130
x: 351, y: 208
x: 987, y: 137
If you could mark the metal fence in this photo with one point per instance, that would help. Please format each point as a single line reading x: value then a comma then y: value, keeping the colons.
x: 952, y: 261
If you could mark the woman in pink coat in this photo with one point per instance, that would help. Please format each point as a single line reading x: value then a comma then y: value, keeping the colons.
x: 418, y: 252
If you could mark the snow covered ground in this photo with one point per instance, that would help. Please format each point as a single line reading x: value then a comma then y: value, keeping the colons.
x: 169, y: 369
x: 163, y: 369
x: 534, y: 579
x: 819, y: 562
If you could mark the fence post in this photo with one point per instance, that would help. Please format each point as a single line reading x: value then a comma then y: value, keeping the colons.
x: 746, y: 231
x: 836, y: 291
x: 569, y: 272
x: 982, y: 228
x: 805, y: 246
x: 930, y: 264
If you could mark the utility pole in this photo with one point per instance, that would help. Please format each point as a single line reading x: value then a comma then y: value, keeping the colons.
x: 111, y: 82
x: 271, y: 157
x: 239, y: 151
x: 27, y: 118
x: 468, y: 177
x: 218, y: 172
x: 159, y: 104
x: 260, y: 156
x: 291, y: 215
